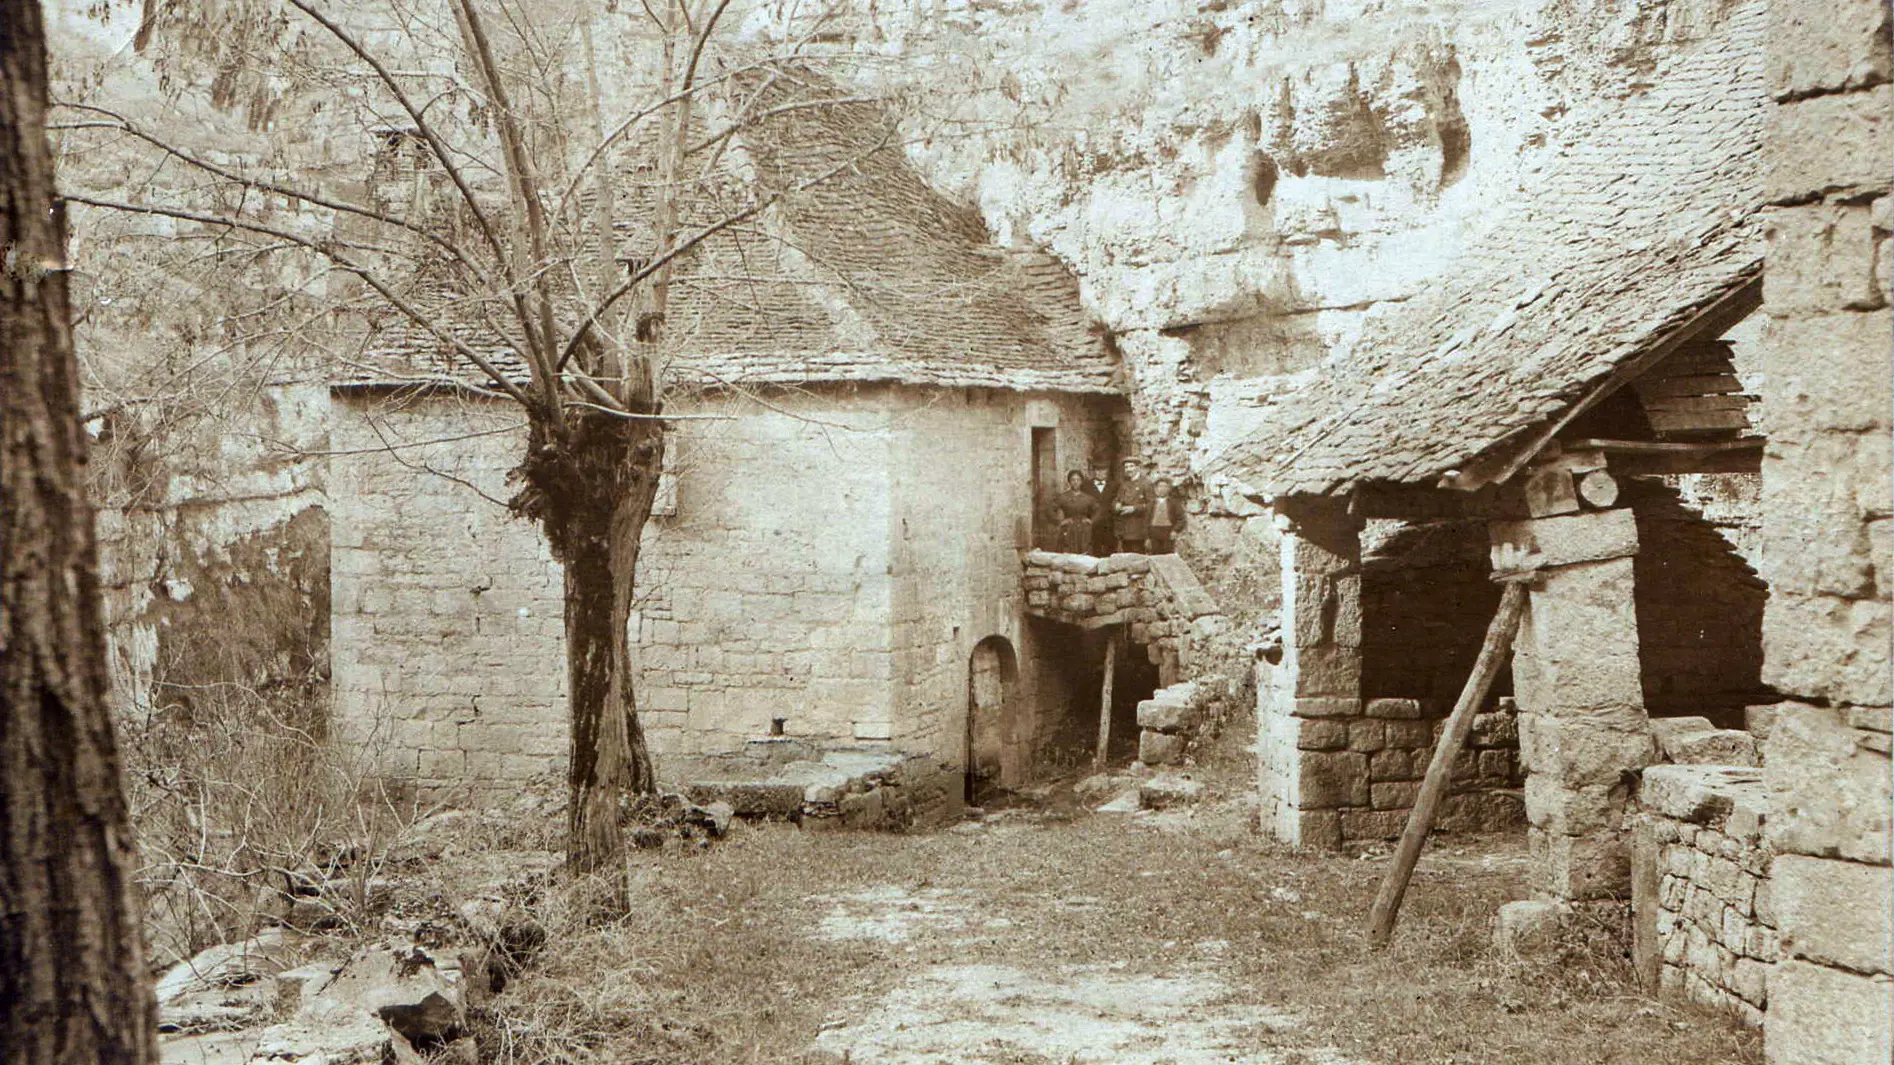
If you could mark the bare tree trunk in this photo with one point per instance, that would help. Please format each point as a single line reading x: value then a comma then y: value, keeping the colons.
x: 592, y: 492
x: 71, y: 953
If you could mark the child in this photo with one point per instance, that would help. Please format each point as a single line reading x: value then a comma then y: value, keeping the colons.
x: 1167, y: 516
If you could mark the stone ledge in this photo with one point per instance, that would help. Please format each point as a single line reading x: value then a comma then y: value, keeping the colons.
x: 1703, y: 794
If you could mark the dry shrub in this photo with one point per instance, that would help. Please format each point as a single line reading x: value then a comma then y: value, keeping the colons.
x: 245, y: 817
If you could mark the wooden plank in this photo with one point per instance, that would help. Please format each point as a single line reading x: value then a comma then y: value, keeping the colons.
x: 1644, y: 458
x: 1709, y: 384
x: 1697, y: 421
x: 1499, y: 640
x: 1104, y: 700
x: 1676, y: 403
x: 1727, y: 310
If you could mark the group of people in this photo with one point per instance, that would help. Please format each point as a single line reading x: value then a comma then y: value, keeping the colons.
x: 1101, y: 514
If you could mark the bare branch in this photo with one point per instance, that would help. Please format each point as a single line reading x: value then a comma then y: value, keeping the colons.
x: 327, y: 249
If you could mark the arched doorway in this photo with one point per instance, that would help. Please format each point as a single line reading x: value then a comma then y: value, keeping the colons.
x: 992, y: 674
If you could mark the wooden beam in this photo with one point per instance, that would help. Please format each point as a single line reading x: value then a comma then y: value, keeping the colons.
x: 1692, y: 421
x: 1732, y: 307
x: 1706, y: 384
x: 1104, y: 700
x: 1499, y: 641
x: 1644, y: 458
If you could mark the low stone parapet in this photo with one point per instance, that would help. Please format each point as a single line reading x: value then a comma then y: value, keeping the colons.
x: 1157, y: 598
x: 1167, y: 720
x: 1705, y: 923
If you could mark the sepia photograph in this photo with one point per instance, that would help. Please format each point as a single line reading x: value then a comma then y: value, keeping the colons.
x: 946, y: 532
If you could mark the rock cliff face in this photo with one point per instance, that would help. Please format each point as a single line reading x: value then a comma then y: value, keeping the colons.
x: 1239, y: 184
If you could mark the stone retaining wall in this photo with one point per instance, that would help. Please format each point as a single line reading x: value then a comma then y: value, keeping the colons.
x: 1353, y: 767
x: 1156, y: 597
x: 1705, y: 921
x: 1170, y: 717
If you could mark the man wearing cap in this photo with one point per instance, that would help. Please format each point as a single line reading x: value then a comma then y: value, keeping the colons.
x: 1131, y: 507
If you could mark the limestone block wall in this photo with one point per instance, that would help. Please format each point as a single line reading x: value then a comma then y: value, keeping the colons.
x: 961, y: 467
x: 448, y: 631
x: 1426, y: 601
x: 1703, y: 903
x: 831, y: 562
x: 1828, y: 532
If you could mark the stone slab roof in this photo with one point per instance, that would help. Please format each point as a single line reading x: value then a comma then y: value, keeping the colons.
x: 871, y: 276
x: 1628, y: 235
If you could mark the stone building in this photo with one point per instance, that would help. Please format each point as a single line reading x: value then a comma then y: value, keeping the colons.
x: 1686, y: 314
x: 869, y: 398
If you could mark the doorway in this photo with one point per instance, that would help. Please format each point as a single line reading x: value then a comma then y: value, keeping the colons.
x: 992, y: 676
x: 1045, y: 485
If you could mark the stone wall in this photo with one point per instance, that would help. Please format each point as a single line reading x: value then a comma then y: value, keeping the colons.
x: 1702, y: 901
x: 1426, y: 600
x: 831, y: 562
x: 214, y: 552
x: 1155, y: 597
x: 1828, y: 535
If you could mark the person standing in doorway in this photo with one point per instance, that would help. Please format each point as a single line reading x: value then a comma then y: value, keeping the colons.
x: 1131, y: 507
x: 1101, y: 487
x: 1167, y: 517
x: 1077, y: 511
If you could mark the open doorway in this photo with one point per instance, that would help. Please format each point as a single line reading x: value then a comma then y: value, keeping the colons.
x: 992, y: 677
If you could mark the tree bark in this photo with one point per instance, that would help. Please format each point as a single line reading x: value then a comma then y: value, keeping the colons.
x: 72, y: 969
x: 592, y: 492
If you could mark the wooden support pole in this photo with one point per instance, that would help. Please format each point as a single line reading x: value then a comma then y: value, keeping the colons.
x: 1104, y: 699
x: 1499, y: 640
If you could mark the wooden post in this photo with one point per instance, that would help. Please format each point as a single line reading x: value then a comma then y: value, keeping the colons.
x: 1104, y: 699
x: 1499, y: 640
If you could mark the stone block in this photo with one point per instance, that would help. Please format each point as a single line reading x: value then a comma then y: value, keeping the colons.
x: 1495, y: 730
x: 1495, y: 810
x: 1407, y: 709
x: 1326, y: 707
x: 1828, y: 144
x: 1568, y: 538
x: 1373, y: 824
x: 1821, y: 260
x: 1699, y: 794
x: 1329, y: 670
x: 1828, y: 796
x: 1528, y: 929
x: 1414, y: 735
x: 1749, y: 979
x: 1327, y: 779
x: 1321, y: 734
x: 1578, y: 868
x: 1583, y: 751
x: 1827, y: 648
x: 1320, y: 829
x: 1573, y: 811
x: 1367, y: 735
x: 1165, y: 715
x: 1159, y: 748
x: 1821, y: 48
x: 1823, y: 1016
x: 1834, y: 912
x: 1391, y: 764
x: 1393, y: 794
x: 1168, y: 789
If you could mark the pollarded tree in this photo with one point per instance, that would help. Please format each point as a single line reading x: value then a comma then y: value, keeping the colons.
x: 71, y: 954
x: 537, y: 244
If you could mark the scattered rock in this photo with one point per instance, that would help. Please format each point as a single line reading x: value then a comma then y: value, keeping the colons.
x: 398, y: 983
x: 1169, y: 789
x: 1528, y: 929
x: 1131, y: 802
x: 214, y: 1048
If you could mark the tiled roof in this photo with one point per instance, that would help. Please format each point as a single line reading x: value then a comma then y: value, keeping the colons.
x: 1630, y: 233
x: 868, y: 276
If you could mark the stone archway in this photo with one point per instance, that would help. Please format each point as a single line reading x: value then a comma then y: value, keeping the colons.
x: 992, y: 706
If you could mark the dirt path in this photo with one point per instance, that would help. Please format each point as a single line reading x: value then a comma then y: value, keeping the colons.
x: 1005, y: 977
x: 1067, y: 937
